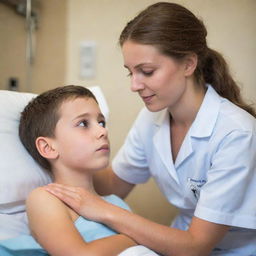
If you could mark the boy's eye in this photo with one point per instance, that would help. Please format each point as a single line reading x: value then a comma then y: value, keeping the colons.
x: 102, y: 123
x: 83, y: 123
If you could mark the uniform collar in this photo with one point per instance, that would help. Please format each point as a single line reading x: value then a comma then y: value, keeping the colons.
x: 207, y: 115
x: 202, y: 126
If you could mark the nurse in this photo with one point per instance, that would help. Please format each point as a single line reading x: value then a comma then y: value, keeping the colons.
x: 196, y: 137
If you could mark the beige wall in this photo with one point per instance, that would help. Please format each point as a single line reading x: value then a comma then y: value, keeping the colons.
x: 63, y: 24
x: 51, y: 42
x: 12, y: 45
x: 49, y: 65
x: 231, y: 30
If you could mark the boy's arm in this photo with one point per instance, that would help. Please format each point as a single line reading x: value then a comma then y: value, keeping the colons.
x: 52, y: 226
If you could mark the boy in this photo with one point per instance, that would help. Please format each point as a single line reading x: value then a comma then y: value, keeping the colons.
x: 64, y: 131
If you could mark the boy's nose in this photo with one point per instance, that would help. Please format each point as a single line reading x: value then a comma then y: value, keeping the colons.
x: 102, y: 131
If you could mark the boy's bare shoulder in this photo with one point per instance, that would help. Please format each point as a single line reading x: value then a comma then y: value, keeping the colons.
x: 39, y: 196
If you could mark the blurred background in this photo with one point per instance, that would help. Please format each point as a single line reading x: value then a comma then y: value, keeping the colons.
x: 50, y: 43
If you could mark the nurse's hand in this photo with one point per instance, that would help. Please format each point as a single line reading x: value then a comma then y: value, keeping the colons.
x: 85, y: 203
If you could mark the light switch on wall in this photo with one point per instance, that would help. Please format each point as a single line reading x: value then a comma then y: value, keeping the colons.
x: 87, y: 59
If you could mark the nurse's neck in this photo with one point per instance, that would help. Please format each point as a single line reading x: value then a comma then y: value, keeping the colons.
x: 184, y: 112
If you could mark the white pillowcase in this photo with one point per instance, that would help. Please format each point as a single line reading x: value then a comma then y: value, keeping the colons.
x: 19, y: 173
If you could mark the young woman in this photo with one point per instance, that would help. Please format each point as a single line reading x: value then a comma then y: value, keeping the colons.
x: 196, y: 138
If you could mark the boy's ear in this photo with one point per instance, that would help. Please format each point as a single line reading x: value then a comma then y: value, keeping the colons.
x: 190, y: 64
x: 46, y: 148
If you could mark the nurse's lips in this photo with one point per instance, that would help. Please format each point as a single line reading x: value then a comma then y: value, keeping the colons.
x: 147, y: 99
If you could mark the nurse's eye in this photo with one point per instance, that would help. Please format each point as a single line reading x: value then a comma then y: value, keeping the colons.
x: 129, y: 74
x: 83, y: 123
x: 102, y: 123
x: 147, y: 72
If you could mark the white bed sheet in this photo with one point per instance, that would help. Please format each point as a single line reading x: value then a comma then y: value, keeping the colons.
x: 138, y: 250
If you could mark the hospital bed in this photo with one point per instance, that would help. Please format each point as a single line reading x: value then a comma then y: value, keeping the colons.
x: 20, y: 174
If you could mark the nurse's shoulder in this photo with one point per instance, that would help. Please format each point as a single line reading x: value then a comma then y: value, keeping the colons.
x: 236, y: 118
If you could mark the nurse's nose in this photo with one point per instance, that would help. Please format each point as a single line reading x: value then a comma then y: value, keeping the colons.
x: 136, y: 84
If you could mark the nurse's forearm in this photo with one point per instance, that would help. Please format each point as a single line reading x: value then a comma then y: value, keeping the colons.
x: 163, y: 239
x: 152, y: 235
x: 108, y: 246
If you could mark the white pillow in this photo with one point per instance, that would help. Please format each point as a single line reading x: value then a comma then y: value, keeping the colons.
x: 19, y: 173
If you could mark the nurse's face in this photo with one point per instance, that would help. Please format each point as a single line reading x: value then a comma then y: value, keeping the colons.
x: 159, y: 80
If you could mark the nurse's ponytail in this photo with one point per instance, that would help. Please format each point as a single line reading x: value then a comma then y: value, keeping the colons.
x: 177, y: 32
x: 215, y: 71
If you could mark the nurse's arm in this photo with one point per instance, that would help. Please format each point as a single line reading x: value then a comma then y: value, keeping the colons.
x: 107, y: 182
x: 199, y: 240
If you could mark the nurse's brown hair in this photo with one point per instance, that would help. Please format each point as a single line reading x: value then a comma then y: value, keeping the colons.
x: 177, y: 32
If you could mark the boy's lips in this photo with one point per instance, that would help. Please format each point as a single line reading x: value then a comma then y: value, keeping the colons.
x: 104, y: 147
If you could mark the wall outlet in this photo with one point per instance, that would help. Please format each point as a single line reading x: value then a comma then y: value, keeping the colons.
x: 87, y: 59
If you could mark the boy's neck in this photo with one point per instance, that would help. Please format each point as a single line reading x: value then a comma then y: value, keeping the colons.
x: 75, y: 178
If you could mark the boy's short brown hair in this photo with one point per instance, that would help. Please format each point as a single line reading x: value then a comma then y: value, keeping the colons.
x: 40, y: 116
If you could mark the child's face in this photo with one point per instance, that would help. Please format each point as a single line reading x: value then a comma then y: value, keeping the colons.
x: 81, y: 138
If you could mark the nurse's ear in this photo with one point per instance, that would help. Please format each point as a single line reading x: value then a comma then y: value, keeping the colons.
x: 190, y: 62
